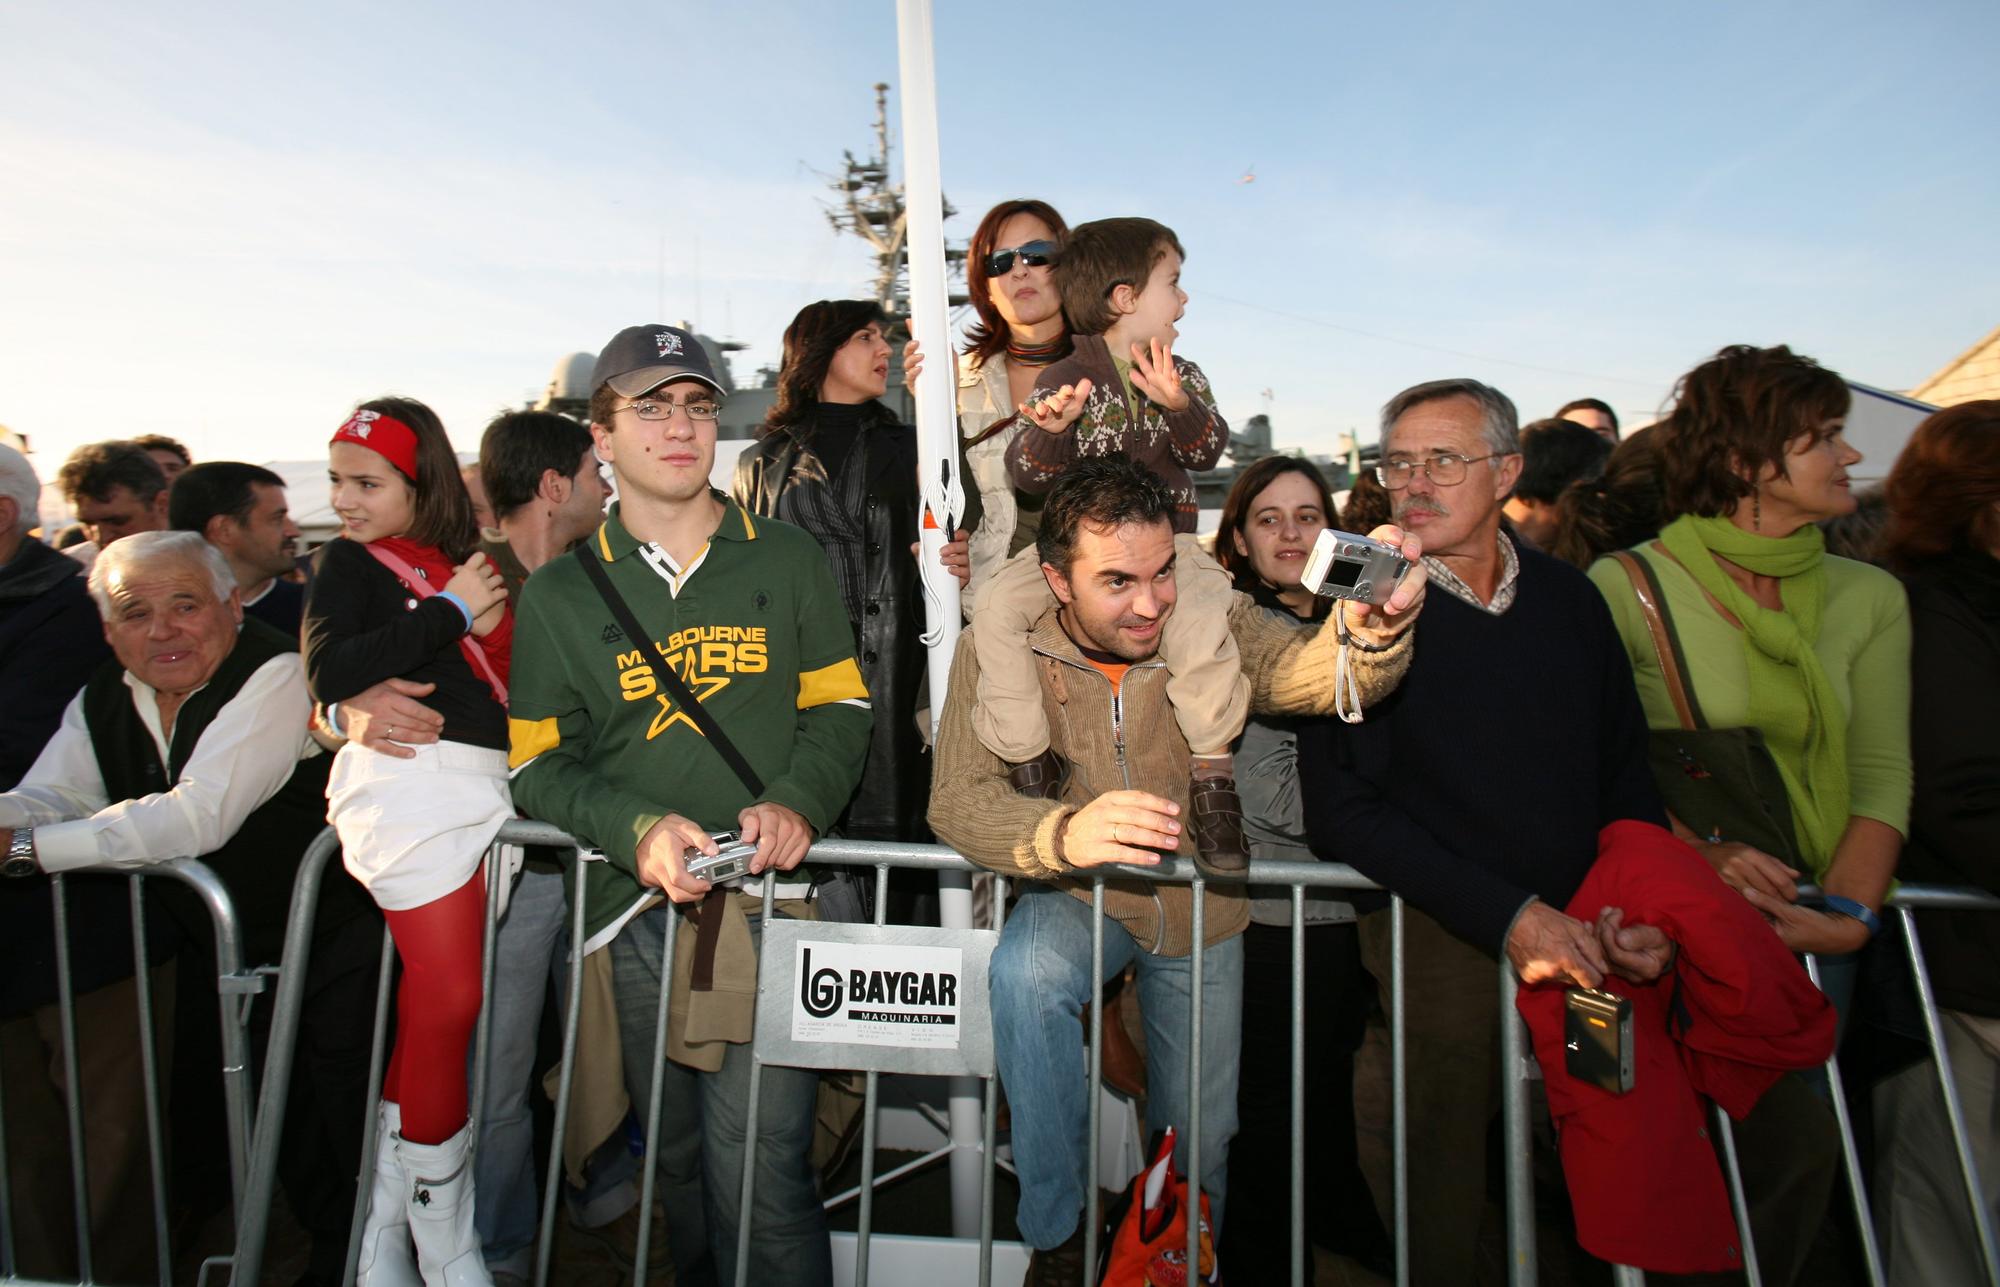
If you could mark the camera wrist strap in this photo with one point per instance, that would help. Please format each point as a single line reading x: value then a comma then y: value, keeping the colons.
x: 708, y: 923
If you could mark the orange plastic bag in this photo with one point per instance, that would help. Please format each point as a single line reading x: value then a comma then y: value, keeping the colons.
x: 1149, y: 1248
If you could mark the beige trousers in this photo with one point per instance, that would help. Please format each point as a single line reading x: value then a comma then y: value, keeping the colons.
x: 1205, y: 680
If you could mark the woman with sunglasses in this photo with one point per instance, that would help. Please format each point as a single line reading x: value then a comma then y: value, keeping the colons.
x: 1020, y: 331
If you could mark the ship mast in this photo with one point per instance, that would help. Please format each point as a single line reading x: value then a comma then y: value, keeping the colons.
x: 867, y: 205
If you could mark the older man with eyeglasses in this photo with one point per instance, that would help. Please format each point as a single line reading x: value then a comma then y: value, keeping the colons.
x: 1477, y: 791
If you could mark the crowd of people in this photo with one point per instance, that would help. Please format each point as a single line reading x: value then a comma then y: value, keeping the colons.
x: 1623, y: 705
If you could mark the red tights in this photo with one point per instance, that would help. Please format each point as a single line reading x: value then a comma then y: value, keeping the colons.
x: 437, y: 1007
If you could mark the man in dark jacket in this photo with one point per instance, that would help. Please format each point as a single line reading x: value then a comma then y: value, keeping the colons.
x: 50, y: 635
x: 1477, y: 789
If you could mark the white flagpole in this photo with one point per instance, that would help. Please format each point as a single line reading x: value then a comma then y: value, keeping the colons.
x: 943, y: 503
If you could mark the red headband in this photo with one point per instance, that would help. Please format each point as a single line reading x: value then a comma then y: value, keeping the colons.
x: 384, y: 435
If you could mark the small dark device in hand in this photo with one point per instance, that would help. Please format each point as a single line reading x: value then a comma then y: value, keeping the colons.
x: 730, y: 861
x: 1597, y: 1039
x: 1345, y: 566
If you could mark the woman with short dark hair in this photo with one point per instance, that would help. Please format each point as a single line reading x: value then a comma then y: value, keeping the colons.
x: 1944, y: 537
x: 1776, y: 679
x: 834, y: 460
x: 1773, y: 634
x: 1270, y: 520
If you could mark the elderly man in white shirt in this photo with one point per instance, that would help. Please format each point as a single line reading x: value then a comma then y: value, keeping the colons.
x: 195, y: 743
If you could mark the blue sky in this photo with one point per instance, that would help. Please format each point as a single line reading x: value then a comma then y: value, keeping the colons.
x: 231, y: 222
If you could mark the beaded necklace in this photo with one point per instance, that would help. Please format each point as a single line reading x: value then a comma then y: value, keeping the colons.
x: 1039, y: 354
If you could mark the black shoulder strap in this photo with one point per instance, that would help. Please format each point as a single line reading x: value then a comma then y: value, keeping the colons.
x: 594, y: 568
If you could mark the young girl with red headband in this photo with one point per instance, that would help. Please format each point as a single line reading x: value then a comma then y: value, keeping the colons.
x: 405, y: 595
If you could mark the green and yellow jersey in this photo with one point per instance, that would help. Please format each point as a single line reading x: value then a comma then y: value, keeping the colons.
x: 754, y: 627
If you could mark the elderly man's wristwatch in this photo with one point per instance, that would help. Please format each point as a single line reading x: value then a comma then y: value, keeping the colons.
x: 21, y: 854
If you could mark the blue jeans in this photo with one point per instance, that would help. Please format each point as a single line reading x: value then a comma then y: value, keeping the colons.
x: 1040, y: 976
x: 700, y: 1146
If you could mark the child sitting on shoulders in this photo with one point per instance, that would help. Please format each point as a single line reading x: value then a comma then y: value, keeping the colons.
x: 1122, y: 390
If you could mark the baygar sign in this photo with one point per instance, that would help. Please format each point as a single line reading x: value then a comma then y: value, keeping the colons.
x: 890, y: 998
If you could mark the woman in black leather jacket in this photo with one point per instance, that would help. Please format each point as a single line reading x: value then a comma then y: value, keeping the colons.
x: 833, y: 460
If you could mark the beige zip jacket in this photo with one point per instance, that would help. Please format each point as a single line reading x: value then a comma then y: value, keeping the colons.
x: 1130, y: 741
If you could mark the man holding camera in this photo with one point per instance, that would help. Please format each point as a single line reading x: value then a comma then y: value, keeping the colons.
x: 689, y: 671
x: 1106, y: 546
x: 1477, y: 790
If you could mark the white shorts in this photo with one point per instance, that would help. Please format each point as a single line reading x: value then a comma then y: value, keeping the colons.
x: 413, y: 831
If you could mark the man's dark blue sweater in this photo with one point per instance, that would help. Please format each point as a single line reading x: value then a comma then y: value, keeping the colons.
x: 1484, y: 779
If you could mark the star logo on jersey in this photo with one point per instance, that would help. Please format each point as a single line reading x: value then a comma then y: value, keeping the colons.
x: 670, y: 714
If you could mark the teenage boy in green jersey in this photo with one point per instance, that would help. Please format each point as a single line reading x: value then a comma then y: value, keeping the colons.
x: 749, y: 617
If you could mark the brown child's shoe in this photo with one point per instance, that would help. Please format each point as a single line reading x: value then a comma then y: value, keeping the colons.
x: 1218, y: 827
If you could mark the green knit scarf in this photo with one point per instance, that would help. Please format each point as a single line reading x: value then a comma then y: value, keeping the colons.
x: 1791, y: 699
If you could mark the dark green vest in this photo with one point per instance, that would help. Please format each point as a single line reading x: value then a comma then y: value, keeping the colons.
x: 258, y: 863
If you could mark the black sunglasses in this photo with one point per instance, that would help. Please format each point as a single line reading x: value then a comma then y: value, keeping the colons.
x: 1035, y: 254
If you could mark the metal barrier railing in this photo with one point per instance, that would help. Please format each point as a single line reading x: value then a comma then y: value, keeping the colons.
x: 1297, y: 877
x: 235, y: 987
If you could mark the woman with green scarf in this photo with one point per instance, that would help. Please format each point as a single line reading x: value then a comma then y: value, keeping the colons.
x: 1769, y: 632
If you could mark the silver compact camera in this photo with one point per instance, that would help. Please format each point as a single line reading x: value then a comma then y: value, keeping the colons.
x: 1345, y: 566
x: 730, y: 861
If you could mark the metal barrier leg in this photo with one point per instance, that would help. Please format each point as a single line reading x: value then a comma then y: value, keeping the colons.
x: 7, y: 1194
x: 1197, y: 950
x: 72, y: 1078
x: 661, y: 1017
x: 253, y: 1220
x: 1857, y: 1186
x: 865, y: 1218
x: 1298, y: 1194
x: 991, y: 1127
x: 565, y: 1079
x: 149, y: 1063
x: 1521, y: 1268
x: 482, y: 1034
x: 1398, y: 1093
x: 963, y: 1095
x: 378, y: 1056
x: 745, y: 1205
x: 1726, y: 1132
x: 1982, y: 1220
x: 1092, y: 1212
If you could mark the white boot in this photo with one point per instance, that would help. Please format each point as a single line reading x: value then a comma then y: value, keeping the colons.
x: 386, y: 1258
x: 440, y: 1209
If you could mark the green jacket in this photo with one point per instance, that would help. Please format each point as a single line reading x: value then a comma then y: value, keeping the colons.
x: 755, y: 628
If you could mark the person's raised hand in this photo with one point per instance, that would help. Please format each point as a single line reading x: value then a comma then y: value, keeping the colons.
x: 781, y: 835
x: 1155, y: 375
x: 1636, y: 953
x: 478, y: 583
x: 1745, y: 867
x: 1380, y: 623
x: 1058, y: 409
x: 383, y: 715
x: 1545, y: 944
x: 663, y: 858
x: 913, y: 364
x: 1121, y: 827
x: 1807, y: 929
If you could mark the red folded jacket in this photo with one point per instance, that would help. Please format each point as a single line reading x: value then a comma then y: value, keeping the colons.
x: 1736, y: 1013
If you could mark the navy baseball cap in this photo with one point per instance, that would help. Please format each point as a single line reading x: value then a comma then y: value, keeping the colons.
x: 640, y: 359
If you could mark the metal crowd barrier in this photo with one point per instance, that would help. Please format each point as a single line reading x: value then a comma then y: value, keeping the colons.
x: 1517, y: 1063
x: 235, y: 987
